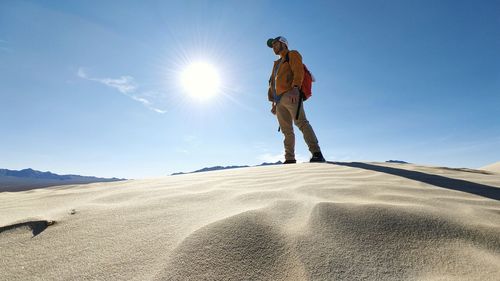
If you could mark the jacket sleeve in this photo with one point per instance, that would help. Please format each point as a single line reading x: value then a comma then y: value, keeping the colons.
x: 297, y: 68
x: 270, y: 96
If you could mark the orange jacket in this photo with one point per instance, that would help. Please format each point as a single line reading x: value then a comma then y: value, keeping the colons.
x: 289, y: 74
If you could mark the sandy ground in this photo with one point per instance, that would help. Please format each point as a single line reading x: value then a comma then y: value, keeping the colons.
x: 335, y: 221
x: 495, y: 167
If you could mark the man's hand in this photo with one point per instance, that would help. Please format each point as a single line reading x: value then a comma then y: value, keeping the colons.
x: 294, y: 94
x: 273, y: 108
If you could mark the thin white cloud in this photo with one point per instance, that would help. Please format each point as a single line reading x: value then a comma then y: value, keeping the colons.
x: 146, y: 103
x: 301, y: 158
x: 266, y: 154
x: 142, y: 100
x: 192, y: 140
x: 3, y: 45
x: 182, y: 151
x: 270, y: 158
x: 273, y: 158
x: 81, y: 73
x: 191, y: 143
x: 159, y: 110
x: 125, y: 85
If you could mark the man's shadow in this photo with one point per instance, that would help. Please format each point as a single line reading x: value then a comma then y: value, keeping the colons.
x: 440, y: 181
x: 36, y: 227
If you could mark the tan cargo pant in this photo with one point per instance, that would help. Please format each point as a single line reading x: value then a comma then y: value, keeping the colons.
x: 286, y: 112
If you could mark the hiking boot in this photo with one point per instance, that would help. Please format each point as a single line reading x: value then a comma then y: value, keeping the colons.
x: 290, y: 161
x: 317, y: 158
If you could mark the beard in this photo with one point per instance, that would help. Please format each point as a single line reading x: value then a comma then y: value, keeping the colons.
x: 277, y: 52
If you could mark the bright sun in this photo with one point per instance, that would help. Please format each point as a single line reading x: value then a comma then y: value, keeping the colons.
x: 201, y: 80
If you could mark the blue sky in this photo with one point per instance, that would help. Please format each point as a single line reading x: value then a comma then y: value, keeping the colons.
x: 93, y: 87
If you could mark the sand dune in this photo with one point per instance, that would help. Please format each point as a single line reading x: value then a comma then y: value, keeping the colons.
x: 495, y: 167
x: 335, y: 221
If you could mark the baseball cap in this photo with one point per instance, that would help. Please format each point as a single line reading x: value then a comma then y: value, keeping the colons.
x: 282, y: 39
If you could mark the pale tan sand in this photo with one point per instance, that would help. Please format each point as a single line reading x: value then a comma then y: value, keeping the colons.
x: 495, y: 167
x: 344, y: 221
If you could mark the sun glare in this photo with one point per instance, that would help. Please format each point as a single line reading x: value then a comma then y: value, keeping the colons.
x: 201, y: 80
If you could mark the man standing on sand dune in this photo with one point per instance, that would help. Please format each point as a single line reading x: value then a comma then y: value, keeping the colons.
x: 284, y: 85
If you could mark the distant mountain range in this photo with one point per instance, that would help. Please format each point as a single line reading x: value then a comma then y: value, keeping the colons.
x: 216, y: 168
x: 397, y: 162
x: 13, y: 180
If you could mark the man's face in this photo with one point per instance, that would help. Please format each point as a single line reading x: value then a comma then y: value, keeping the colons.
x: 277, y: 47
